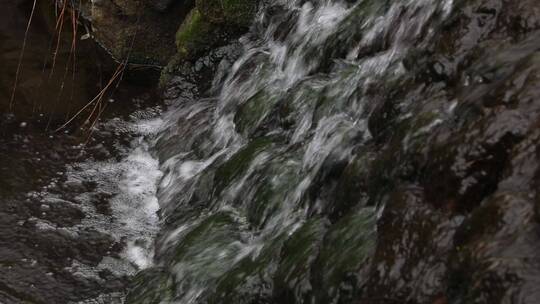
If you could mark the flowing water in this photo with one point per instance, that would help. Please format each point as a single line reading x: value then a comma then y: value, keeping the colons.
x: 283, y: 183
x: 244, y: 170
x: 351, y: 152
x: 77, y: 208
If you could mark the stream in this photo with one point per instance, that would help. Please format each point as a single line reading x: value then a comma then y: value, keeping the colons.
x: 351, y: 152
x: 77, y: 206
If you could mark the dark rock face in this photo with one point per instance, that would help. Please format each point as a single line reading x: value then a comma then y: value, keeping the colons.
x: 474, y: 232
x: 141, y: 31
x: 152, y: 32
x: 238, y: 12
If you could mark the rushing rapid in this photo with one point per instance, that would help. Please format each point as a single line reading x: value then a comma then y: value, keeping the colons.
x: 243, y: 168
x: 346, y: 155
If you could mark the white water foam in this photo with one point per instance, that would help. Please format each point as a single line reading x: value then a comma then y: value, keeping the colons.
x: 129, y: 188
x: 136, y: 205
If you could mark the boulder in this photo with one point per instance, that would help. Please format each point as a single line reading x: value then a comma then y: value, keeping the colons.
x: 197, y: 35
x: 134, y: 30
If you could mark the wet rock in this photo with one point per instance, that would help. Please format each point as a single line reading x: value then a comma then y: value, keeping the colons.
x: 134, y: 30
x: 163, y: 5
x: 187, y: 80
x: 197, y: 35
x: 151, y: 286
x: 61, y: 213
x: 239, y: 162
x: 238, y: 12
x: 337, y: 274
x: 221, y: 230
x: 404, y: 162
x: 208, y: 26
x: 414, y: 240
x: 251, y: 115
x: 293, y: 276
x: 250, y: 281
x: 497, y: 252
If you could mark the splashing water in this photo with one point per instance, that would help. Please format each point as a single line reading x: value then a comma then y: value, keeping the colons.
x: 252, y: 204
x: 240, y: 183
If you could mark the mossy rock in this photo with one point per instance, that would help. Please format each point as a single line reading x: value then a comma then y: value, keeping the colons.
x: 240, y: 162
x: 206, y: 252
x: 219, y: 231
x: 252, y: 114
x: 250, y: 281
x: 292, y: 279
x: 131, y: 30
x: 353, y: 185
x: 197, y: 35
x: 151, y: 286
x: 271, y: 189
x: 231, y: 12
x: 337, y: 273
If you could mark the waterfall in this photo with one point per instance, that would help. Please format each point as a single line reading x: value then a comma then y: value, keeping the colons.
x: 313, y: 152
x: 244, y: 169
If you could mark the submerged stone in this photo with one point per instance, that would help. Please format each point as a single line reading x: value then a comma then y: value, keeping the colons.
x: 151, y: 286
x: 337, y: 274
x: 293, y: 276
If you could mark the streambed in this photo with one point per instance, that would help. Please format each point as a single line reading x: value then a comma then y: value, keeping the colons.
x: 77, y: 205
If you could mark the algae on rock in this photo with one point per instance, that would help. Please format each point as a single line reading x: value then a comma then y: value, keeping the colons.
x: 237, y: 12
x: 135, y: 30
x: 210, y: 24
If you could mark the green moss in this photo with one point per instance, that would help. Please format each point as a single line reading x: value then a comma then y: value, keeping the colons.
x: 194, y: 34
x: 300, y: 251
x: 253, y: 112
x: 151, y: 286
x: 239, y: 162
x: 237, y: 12
x: 196, y: 37
x: 250, y: 281
x: 355, y: 236
x: 216, y: 231
x: 273, y: 186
